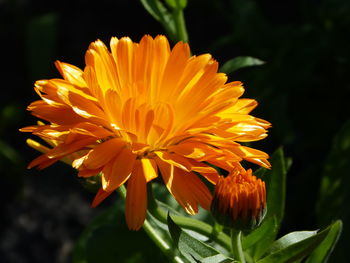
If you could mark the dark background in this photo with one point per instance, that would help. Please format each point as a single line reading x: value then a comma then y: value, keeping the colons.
x: 303, y: 90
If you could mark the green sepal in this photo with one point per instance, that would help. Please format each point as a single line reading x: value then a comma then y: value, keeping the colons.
x: 246, y: 225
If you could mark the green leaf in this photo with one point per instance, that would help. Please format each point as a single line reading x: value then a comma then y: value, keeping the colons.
x: 171, y: 3
x: 322, y: 252
x: 260, y: 239
x: 294, y: 252
x: 176, y: 4
x: 261, y: 234
x: 260, y: 172
x: 161, y: 14
x: 155, y: 8
x: 217, y: 259
x: 275, y: 180
x: 334, y: 198
x: 182, y: 3
x: 290, y: 239
x: 240, y: 62
x: 193, y: 249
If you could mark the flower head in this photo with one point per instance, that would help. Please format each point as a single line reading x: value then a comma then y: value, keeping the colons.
x: 239, y: 200
x: 143, y: 109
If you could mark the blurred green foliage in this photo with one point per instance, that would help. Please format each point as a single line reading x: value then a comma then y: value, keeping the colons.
x: 107, y: 239
x: 302, y: 89
x: 334, y: 193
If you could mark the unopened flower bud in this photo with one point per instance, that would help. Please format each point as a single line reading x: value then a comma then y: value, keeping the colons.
x: 239, y: 200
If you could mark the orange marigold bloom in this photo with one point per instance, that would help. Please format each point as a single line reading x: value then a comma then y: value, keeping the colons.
x: 141, y: 108
x: 239, y: 200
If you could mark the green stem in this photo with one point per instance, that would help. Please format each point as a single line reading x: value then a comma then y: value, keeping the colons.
x: 164, y: 247
x: 180, y: 25
x: 237, y: 245
x: 152, y: 233
x: 188, y: 223
x: 122, y: 191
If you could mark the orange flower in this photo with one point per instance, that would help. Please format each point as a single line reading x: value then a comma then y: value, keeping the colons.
x: 142, y: 108
x: 239, y: 200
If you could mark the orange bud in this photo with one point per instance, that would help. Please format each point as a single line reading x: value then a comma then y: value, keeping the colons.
x: 239, y: 200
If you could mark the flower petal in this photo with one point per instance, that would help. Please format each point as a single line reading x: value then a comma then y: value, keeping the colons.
x: 65, y: 149
x: 85, y: 173
x: 186, y: 187
x: 149, y: 167
x: 102, y: 61
x: 118, y: 170
x: 72, y: 74
x: 136, y: 199
x: 100, y: 196
x: 103, y: 153
x: 174, y: 69
x: 244, y: 106
x: 42, y: 162
x: 57, y: 115
x: 174, y: 159
x: 253, y: 155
